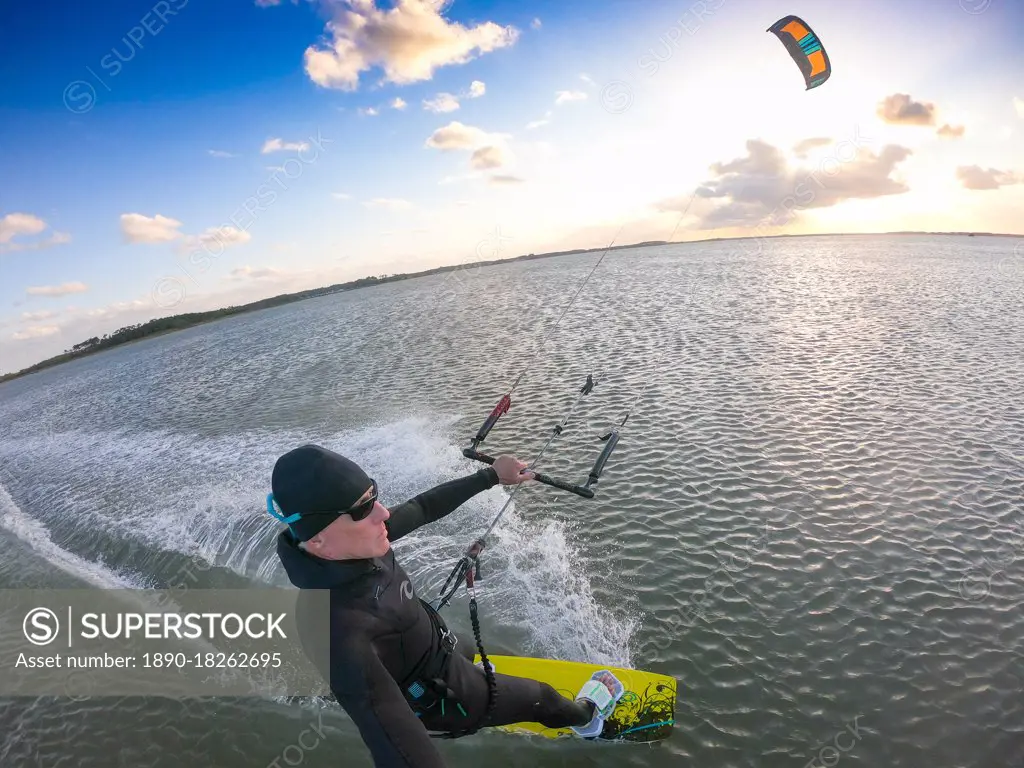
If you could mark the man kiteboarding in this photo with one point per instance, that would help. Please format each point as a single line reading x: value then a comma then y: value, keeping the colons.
x: 392, y: 661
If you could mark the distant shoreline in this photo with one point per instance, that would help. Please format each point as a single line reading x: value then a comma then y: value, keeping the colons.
x: 161, y: 326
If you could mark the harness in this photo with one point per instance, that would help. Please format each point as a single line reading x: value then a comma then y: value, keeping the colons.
x: 425, y: 688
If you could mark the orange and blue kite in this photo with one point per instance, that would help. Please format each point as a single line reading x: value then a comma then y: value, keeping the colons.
x: 805, y: 48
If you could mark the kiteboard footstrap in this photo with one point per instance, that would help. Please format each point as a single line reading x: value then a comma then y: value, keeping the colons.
x: 603, y: 690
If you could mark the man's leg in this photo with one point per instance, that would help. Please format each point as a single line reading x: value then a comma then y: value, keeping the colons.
x: 521, y: 700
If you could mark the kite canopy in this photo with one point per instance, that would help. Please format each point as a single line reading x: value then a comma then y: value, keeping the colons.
x: 805, y: 48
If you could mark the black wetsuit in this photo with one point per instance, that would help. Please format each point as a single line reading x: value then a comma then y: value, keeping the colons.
x: 382, y: 633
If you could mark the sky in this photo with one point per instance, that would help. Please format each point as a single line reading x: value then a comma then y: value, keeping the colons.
x: 180, y: 156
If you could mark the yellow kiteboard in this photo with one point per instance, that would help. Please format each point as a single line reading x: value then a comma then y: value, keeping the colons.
x: 646, y: 711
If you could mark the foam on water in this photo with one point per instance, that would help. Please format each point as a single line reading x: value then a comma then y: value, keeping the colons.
x: 204, y: 498
x: 558, y: 608
x: 36, y: 536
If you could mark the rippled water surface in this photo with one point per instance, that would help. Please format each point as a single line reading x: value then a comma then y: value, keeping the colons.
x: 814, y: 519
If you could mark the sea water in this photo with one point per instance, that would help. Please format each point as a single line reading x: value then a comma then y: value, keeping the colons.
x: 813, y: 519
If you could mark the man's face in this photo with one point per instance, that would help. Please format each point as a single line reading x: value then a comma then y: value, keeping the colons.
x: 348, y: 539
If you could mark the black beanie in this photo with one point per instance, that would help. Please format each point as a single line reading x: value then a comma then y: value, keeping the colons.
x: 314, y: 479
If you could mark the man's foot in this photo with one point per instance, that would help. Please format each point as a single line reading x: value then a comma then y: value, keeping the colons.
x: 601, y: 693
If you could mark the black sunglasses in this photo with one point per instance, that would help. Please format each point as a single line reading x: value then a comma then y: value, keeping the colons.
x: 357, y: 511
x: 363, y: 508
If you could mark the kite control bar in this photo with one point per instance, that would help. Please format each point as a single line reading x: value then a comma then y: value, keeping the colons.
x: 585, y: 492
x: 611, y: 439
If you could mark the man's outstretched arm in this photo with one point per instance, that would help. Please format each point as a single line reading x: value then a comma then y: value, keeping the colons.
x: 445, y: 498
x: 439, y: 501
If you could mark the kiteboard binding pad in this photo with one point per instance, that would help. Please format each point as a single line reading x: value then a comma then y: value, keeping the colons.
x: 645, y: 712
x: 603, y: 690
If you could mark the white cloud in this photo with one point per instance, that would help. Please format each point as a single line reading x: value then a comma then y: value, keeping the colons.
x: 14, y: 224
x: 763, y: 187
x: 535, y: 23
x: 901, y: 109
x: 588, y: 79
x: 341, y: 196
x: 57, y: 238
x: 449, y: 102
x: 217, y: 237
x: 456, y: 135
x: 117, y: 308
x: 137, y: 228
x: 398, y: 103
x: 948, y: 131
x: 488, y: 157
x: 391, y: 203
x: 1018, y: 104
x: 538, y: 123
x: 408, y: 42
x: 219, y: 153
x: 57, y: 290
x: 804, y: 148
x: 977, y: 178
x: 278, y: 145
x: 564, y: 97
x: 504, y: 178
x: 36, y: 332
x: 37, y: 316
x: 443, y: 102
x: 370, y: 111
x: 254, y: 274
x: 25, y: 225
x: 488, y: 149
